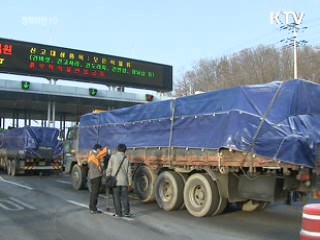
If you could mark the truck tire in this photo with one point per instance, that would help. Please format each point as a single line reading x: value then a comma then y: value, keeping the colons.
x: 5, y: 164
x: 14, y: 164
x: 263, y: 205
x: 9, y: 167
x: 169, y: 191
x: 184, y: 178
x: 78, y: 177
x: 201, y: 196
x: 144, y: 183
x: 221, y: 207
x: 250, y: 205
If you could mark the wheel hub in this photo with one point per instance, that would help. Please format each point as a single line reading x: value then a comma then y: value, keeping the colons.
x: 199, y: 195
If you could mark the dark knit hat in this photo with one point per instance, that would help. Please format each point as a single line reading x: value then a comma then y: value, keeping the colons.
x: 122, y: 147
x: 97, y: 146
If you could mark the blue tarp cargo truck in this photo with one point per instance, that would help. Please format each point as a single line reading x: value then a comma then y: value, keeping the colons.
x: 248, y: 145
x: 31, y: 149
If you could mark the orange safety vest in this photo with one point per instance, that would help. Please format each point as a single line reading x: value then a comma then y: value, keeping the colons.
x: 96, y: 159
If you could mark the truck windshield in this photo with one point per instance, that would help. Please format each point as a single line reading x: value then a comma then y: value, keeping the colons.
x: 70, y: 134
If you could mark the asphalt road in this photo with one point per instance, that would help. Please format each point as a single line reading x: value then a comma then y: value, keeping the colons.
x: 47, y: 207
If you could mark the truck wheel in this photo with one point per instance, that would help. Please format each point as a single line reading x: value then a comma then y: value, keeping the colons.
x: 184, y: 179
x: 9, y: 167
x: 78, y: 177
x: 5, y: 164
x: 169, y: 190
x: 144, y: 184
x: 13, y: 170
x: 263, y: 205
x: 221, y: 207
x: 251, y: 205
x: 201, y: 196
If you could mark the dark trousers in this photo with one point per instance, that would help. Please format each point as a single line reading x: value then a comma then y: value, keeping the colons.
x: 95, y: 191
x: 121, y: 199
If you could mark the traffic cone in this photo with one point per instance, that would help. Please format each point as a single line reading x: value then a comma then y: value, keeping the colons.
x: 310, y: 229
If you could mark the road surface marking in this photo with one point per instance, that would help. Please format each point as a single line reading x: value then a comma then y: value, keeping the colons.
x: 104, y: 212
x: 17, y: 184
x: 22, y: 203
x: 77, y: 204
x: 65, y: 182
x: 10, y: 206
x: 13, y: 204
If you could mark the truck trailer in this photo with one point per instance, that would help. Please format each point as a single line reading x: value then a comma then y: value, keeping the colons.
x: 31, y: 149
x: 249, y: 145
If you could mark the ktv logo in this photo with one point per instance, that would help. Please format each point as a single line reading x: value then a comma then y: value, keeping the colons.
x: 286, y: 17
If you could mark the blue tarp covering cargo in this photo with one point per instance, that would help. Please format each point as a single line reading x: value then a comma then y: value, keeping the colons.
x: 278, y: 120
x: 29, y: 139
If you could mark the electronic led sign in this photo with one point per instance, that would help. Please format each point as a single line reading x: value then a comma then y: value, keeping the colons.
x: 24, y: 58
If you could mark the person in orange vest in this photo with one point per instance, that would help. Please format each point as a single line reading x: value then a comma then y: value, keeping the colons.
x: 95, y: 174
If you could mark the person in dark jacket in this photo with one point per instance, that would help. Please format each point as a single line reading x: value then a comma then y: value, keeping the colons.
x: 124, y: 181
x: 95, y: 175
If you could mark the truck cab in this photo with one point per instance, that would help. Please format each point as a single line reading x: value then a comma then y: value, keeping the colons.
x: 75, y: 162
x: 77, y: 169
x: 70, y: 148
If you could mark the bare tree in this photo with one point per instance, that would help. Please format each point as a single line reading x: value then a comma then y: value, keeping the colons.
x: 250, y: 66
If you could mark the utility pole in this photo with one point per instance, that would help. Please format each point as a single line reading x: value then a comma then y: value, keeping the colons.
x: 290, y: 21
x: 295, y: 64
x: 293, y: 42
